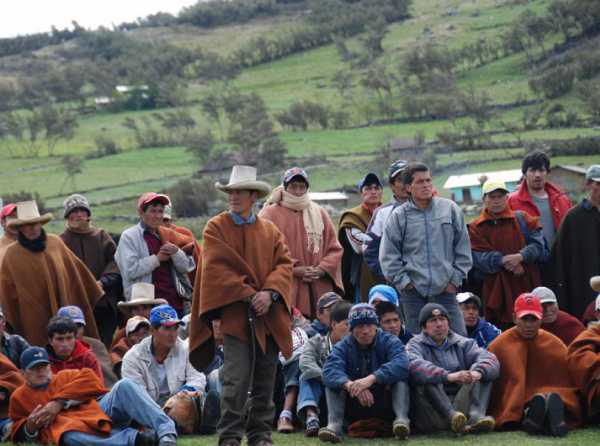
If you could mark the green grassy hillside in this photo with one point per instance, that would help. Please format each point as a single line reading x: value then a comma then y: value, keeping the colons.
x: 112, y: 182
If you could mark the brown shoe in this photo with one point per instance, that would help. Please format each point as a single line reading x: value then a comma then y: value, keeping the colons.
x: 458, y: 422
x: 285, y: 426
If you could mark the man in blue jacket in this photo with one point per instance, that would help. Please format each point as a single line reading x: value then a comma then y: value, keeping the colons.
x: 452, y: 374
x: 366, y: 377
x: 478, y: 328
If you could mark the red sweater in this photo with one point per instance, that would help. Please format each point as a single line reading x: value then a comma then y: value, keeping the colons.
x: 520, y: 200
x: 82, y: 357
x: 565, y: 327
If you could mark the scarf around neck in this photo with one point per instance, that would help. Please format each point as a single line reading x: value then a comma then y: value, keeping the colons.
x: 37, y: 245
x: 311, y: 215
x: 80, y: 227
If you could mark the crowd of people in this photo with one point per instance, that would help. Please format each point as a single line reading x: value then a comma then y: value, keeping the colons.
x: 401, y: 318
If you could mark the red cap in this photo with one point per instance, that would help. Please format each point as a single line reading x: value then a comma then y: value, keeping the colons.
x: 528, y: 303
x: 148, y: 197
x: 7, y: 210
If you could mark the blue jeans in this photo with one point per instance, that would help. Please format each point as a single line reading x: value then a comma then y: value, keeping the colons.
x: 412, y: 303
x: 291, y: 374
x: 126, y: 402
x: 309, y: 395
x: 213, y: 381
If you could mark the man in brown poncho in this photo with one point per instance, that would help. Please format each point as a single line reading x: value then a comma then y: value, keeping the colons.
x: 311, y: 238
x: 39, y: 275
x: 584, y: 367
x: 245, y: 281
x: 96, y: 248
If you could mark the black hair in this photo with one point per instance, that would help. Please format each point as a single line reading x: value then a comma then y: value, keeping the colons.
x: 61, y: 325
x: 340, y: 311
x: 79, y: 208
x: 295, y: 178
x: 386, y: 307
x: 409, y: 173
x: 152, y: 203
x: 536, y: 160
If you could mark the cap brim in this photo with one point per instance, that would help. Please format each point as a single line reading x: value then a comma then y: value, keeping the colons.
x: 37, y: 362
x: 506, y: 191
x: 547, y: 301
x: 524, y: 313
x: 170, y: 323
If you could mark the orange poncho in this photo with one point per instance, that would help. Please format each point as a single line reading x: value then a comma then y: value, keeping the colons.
x: 584, y: 366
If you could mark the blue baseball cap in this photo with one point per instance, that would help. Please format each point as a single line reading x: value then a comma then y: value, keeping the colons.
x: 164, y: 316
x: 33, y: 356
x: 369, y: 178
x: 72, y: 312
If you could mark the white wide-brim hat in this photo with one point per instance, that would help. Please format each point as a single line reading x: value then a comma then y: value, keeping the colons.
x: 28, y: 214
x: 244, y: 178
x: 141, y: 294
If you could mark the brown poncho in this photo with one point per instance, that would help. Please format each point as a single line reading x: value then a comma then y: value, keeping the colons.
x: 353, y: 265
x: 96, y: 249
x: 584, y: 366
x: 531, y: 366
x: 34, y: 285
x: 328, y: 258
x: 79, y: 385
x: 5, y: 241
x: 10, y: 379
x: 502, y: 233
x: 237, y: 262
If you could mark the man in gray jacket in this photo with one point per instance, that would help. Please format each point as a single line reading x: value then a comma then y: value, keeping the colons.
x: 451, y: 376
x: 142, y: 256
x: 425, y: 251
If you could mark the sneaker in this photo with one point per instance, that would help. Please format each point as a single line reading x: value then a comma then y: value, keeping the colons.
x: 312, y: 427
x: 146, y: 438
x: 458, y: 422
x: 534, y: 414
x: 401, y: 430
x: 482, y: 426
x: 555, y: 411
x: 285, y: 426
x: 329, y: 436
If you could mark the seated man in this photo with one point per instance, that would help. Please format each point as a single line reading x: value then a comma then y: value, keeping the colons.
x: 453, y: 376
x: 74, y: 313
x: 584, y: 366
x: 383, y: 293
x: 72, y: 408
x: 560, y: 323
x: 535, y: 390
x: 11, y: 345
x: 359, y: 389
x: 477, y: 327
x: 141, y: 303
x: 66, y: 351
x: 390, y: 320
x: 160, y: 364
x: 324, y: 306
x: 136, y: 329
x: 313, y: 357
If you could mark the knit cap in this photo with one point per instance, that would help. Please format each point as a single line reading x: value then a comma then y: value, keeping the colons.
x: 76, y: 201
x: 383, y: 292
x: 430, y: 310
x: 362, y: 314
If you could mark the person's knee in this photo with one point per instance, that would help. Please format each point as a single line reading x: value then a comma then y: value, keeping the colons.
x: 127, y: 386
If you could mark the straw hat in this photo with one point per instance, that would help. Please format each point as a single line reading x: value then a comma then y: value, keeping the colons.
x: 244, y: 178
x: 141, y: 294
x: 28, y: 214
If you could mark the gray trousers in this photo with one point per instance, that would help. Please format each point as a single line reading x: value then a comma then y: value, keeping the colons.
x: 237, y: 418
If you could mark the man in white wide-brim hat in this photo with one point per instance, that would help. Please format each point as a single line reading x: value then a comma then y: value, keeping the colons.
x: 39, y: 274
x: 246, y: 282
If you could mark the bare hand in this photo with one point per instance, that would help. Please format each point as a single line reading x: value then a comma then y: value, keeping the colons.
x: 261, y: 302
x: 355, y: 388
x: 169, y: 248
x: 461, y: 377
x: 511, y: 261
x: 365, y: 398
x: 519, y: 270
x: 300, y: 271
x: 317, y: 273
x: 451, y: 288
x: 33, y: 423
x: 49, y: 412
x: 99, y: 283
x: 475, y: 376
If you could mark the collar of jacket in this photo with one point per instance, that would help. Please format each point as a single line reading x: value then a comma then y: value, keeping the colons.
x: 524, y: 195
x: 485, y: 215
x: 450, y: 340
x: 238, y: 220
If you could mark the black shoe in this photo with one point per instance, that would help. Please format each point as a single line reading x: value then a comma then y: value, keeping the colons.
x: 211, y: 412
x: 146, y: 438
x: 555, y: 413
x: 535, y: 413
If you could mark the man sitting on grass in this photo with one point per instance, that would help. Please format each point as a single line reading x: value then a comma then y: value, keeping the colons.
x: 72, y: 408
x: 366, y: 378
x: 453, y: 376
x: 478, y: 328
x: 391, y: 321
x: 535, y: 390
x: 313, y: 357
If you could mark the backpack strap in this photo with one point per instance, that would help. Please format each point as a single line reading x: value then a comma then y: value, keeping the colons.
x: 523, y: 225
